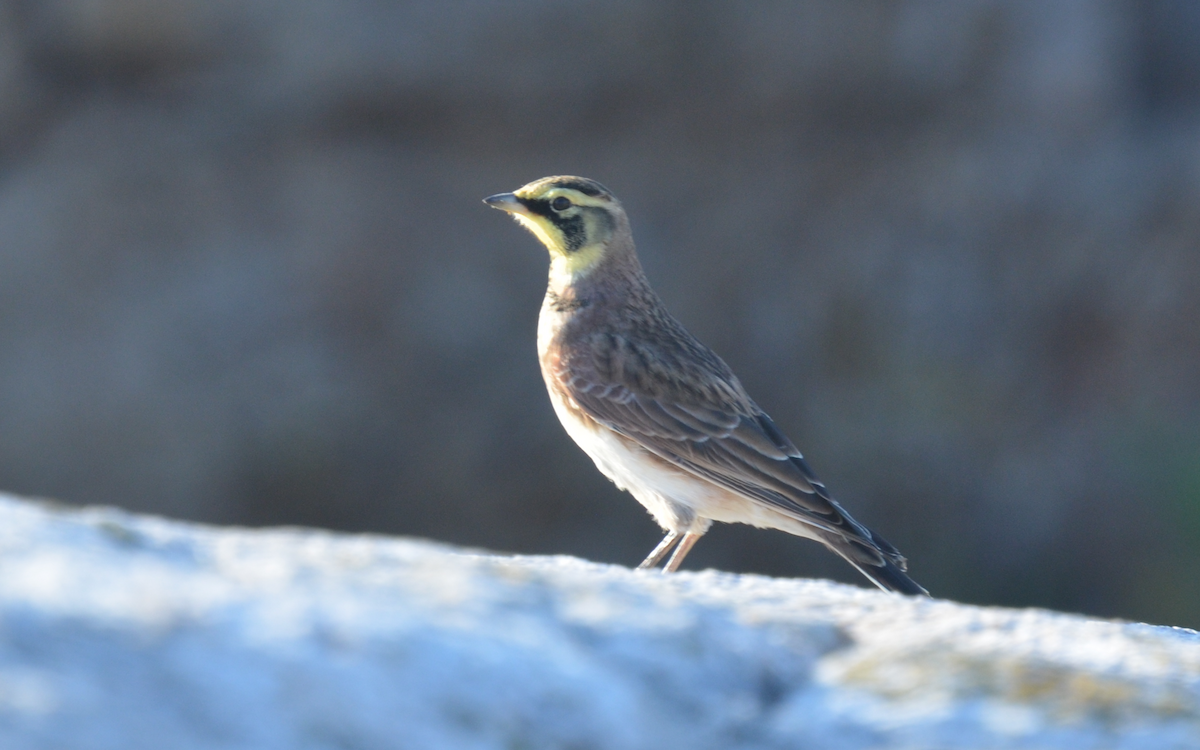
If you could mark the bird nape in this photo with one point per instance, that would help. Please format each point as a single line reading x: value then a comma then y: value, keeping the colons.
x: 662, y: 415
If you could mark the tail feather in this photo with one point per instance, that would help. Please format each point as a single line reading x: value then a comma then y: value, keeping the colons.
x: 889, y: 577
x: 878, y: 561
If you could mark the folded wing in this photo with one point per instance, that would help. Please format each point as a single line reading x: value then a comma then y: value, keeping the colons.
x: 706, y: 424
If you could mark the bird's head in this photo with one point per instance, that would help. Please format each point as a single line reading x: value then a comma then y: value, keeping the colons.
x: 574, y: 217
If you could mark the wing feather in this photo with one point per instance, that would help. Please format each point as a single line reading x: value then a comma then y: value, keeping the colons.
x: 707, y: 426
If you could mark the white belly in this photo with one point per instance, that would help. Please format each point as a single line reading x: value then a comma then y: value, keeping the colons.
x: 677, y: 500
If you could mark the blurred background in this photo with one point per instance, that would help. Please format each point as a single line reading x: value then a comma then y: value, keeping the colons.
x: 952, y: 248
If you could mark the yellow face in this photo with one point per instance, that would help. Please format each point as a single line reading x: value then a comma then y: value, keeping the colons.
x: 573, y: 217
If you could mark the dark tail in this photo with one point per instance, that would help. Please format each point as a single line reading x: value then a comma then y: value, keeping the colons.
x: 889, y: 577
x: 878, y: 561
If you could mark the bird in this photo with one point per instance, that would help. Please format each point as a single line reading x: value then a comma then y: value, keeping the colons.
x: 659, y: 413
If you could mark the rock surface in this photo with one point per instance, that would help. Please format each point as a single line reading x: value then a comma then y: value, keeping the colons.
x: 125, y: 631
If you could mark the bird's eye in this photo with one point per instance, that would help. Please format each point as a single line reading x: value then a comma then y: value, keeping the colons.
x: 560, y: 204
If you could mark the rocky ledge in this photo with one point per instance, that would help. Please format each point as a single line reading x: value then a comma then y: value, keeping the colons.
x: 126, y: 631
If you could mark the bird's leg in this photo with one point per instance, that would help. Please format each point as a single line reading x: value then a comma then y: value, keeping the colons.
x: 659, y: 552
x: 685, y: 546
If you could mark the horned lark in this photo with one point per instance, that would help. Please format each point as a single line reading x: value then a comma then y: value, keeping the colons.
x: 661, y: 415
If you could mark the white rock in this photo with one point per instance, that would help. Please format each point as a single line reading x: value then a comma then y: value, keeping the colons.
x: 124, y: 631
